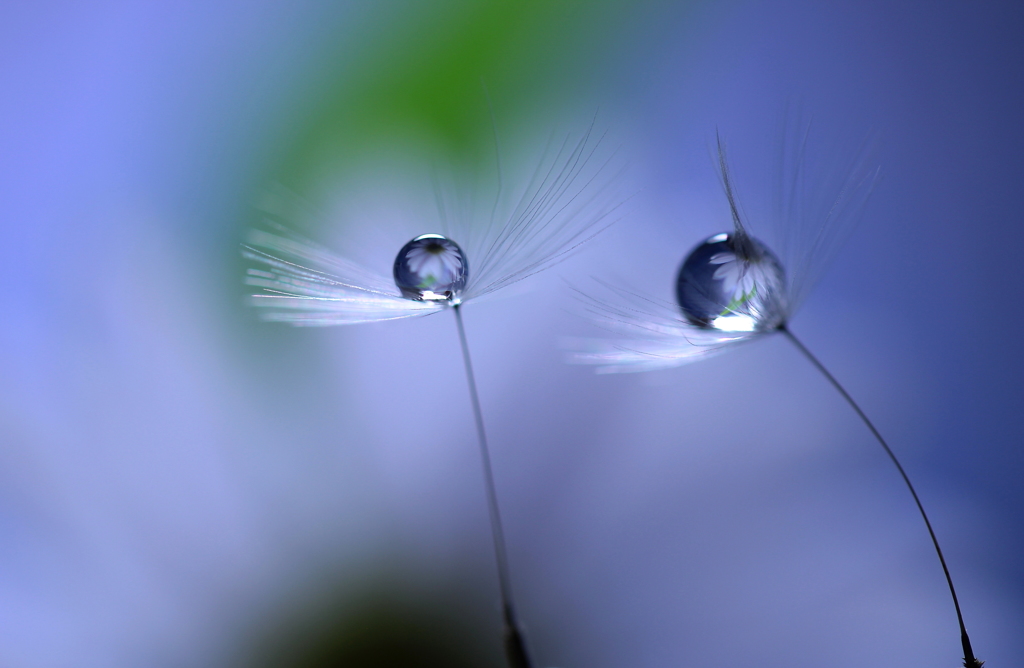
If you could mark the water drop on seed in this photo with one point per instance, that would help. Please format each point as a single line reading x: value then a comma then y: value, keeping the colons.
x: 733, y: 283
x: 431, y: 267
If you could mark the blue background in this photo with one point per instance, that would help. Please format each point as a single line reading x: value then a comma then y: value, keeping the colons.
x: 180, y: 481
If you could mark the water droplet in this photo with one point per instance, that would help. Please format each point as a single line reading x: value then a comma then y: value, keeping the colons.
x: 431, y: 268
x: 733, y: 283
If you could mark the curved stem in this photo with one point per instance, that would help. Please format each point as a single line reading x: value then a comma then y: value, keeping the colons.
x: 515, y: 646
x: 969, y: 659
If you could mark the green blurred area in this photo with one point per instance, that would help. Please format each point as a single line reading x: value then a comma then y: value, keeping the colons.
x: 425, y: 68
x: 383, y: 620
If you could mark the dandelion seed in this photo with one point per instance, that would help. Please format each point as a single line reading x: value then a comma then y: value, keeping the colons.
x: 731, y: 289
x: 564, y: 204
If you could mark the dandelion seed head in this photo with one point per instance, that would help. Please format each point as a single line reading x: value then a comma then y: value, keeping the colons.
x: 732, y: 283
x: 512, y: 228
x: 732, y: 287
x: 431, y: 267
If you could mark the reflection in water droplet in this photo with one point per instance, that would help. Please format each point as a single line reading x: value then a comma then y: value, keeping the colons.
x: 431, y: 268
x: 733, y: 283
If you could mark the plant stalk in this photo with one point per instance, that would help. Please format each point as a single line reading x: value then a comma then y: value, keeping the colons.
x: 515, y: 645
x: 970, y: 661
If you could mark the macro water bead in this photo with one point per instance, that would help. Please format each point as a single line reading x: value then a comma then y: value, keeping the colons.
x: 733, y: 283
x: 431, y: 267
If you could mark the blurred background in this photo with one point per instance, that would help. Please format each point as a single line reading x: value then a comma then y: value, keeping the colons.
x: 182, y: 484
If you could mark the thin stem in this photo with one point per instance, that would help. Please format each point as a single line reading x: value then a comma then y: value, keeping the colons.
x: 515, y: 646
x: 969, y: 659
